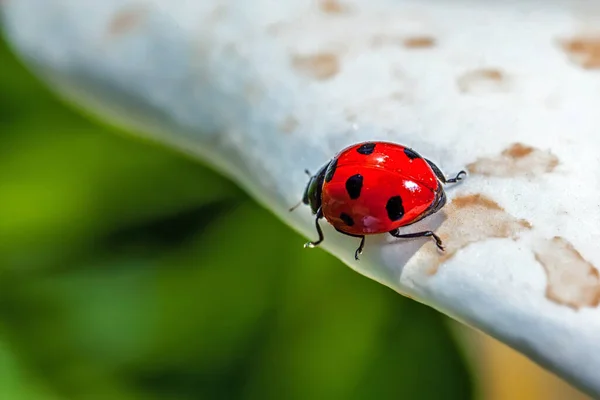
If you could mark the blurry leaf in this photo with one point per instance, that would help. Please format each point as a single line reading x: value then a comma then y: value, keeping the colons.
x: 15, y: 382
x: 355, y: 340
x: 256, y: 322
x: 39, y: 330
x: 427, y: 360
x: 67, y: 187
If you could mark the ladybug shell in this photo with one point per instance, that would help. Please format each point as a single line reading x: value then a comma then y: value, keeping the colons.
x: 376, y: 187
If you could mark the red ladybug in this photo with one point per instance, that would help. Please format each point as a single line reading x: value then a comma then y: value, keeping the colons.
x: 376, y: 187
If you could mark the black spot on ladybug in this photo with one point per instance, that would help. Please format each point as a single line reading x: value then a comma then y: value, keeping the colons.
x: 410, y: 153
x: 394, y: 208
x: 347, y: 219
x: 366, y: 149
x: 354, y: 186
x: 331, y: 170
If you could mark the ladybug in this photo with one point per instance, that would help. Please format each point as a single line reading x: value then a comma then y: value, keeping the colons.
x: 376, y: 187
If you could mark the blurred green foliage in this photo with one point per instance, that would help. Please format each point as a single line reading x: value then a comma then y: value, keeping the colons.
x: 130, y: 272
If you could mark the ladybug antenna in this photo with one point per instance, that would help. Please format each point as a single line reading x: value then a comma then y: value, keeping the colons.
x: 295, y: 206
x: 307, y: 172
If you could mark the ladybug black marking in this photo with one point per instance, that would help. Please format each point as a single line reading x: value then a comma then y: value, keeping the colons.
x: 354, y: 186
x: 394, y: 208
x: 347, y: 219
x: 331, y: 170
x: 366, y: 149
x: 410, y: 153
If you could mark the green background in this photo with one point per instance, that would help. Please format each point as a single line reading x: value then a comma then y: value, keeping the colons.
x: 128, y: 271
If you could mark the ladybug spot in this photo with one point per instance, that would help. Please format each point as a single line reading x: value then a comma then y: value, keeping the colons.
x: 354, y: 186
x: 366, y: 148
x: 394, y: 208
x: 347, y: 219
x: 331, y: 170
x: 410, y: 153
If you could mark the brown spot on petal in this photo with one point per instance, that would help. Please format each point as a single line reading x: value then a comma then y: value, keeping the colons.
x: 481, y: 80
x: 333, y: 7
x: 517, y: 159
x: 127, y: 19
x: 321, y: 66
x: 584, y: 51
x: 471, y: 219
x: 412, y: 42
x: 518, y: 150
x: 572, y: 280
x: 476, y: 200
x: 289, y: 124
x: 419, y: 42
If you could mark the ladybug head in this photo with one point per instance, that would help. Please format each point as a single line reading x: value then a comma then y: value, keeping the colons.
x: 312, y: 193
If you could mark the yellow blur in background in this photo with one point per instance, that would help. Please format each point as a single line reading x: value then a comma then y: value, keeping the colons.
x: 502, y: 373
x: 130, y: 272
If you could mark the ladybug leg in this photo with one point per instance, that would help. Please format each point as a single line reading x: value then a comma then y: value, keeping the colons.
x: 436, y: 238
x: 458, y: 177
x: 361, y: 246
x: 440, y: 174
x: 319, y: 231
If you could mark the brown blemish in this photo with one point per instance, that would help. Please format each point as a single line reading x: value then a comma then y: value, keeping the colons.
x: 289, y: 124
x: 572, y: 280
x: 517, y: 159
x: 333, y: 7
x: 584, y: 51
x: 413, y: 42
x: 419, y: 42
x: 476, y: 200
x: 471, y: 219
x: 518, y: 150
x: 321, y: 66
x: 486, y: 79
x: 127, y: 19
